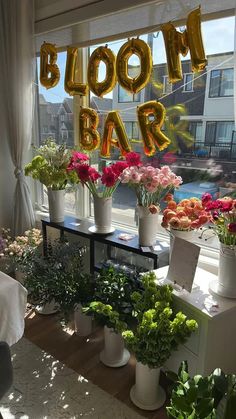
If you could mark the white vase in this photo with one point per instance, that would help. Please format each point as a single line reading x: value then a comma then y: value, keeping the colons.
x: 47, y: 308
x: 102, y: 215
x: 114, y: 353
x: 56, y: 201
x: 185, y: 235
x: 83, y: 322
x: 147, y: 226
x: 226, y: 284
x: 147, y: 394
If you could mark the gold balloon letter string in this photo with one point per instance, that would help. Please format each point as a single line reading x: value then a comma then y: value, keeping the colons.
x: 71, y: 87
x: 142, y: 50
x: 177, y: 43
x: 88, y: 123
x: 106, y: 55
x: 114, y: 122
x: 151, y: 130
x: 194, y: 35
x: 48, y: 59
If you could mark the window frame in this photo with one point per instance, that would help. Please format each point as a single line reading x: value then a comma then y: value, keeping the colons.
x: 186, y: 83
x: 221, y: 70
x: 128, y: 101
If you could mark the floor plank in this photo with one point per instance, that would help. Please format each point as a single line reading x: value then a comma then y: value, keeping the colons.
x: 82, y: 355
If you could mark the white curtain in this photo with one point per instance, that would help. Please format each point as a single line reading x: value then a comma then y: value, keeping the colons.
x: 16, y: 103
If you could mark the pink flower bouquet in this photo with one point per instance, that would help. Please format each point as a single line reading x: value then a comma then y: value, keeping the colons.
x: 101, y: 185
x: 151, y: 184
x: 222, y: 217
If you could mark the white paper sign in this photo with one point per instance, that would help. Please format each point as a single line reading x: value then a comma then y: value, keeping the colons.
x: 183, y: 264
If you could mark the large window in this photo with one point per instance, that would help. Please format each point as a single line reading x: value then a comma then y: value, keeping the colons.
x: 222, y: 82
x: 196, y: 130
x: 124, y: 96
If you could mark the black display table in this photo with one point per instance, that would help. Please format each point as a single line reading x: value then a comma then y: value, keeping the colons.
x: 111, y: 240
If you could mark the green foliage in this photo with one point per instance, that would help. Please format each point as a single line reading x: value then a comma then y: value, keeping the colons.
x: 199, y: 397
x: 49, y: 166
x: 113, y: 304
x: 106, y: 315
x: 59, y: 276
x: 159, y: 330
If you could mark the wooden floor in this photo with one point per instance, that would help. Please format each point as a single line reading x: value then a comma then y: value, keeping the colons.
x: 82, y: 355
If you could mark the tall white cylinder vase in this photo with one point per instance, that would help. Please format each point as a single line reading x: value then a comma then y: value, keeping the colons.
x: 56, y: 201
x: 147, y: 226
x: 83, y: 322
x: 226, y: 284
x: 147, y: 394
x: 181, y: 234
x: 102, y: 215
x: 114, y: 353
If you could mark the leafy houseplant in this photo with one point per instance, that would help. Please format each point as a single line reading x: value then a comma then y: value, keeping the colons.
x: 211, y: 397
x: 113, y: 308
x: 53, y: 277
x: 158, y: 332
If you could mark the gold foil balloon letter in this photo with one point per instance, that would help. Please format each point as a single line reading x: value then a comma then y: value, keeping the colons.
x: 177, y: 43
x: 151, y: 129
x: 114, y: 122
x: 142, y: 50
x: 48, y: 59
x: 72, y: 87
x: 194, y: 34
x: 88, y: 123
x: 106, y: 55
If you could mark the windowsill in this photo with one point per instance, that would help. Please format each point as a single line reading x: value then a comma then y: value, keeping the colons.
x: 208, y: 259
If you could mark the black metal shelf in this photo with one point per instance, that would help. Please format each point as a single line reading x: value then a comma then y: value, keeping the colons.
x: 80, y: 227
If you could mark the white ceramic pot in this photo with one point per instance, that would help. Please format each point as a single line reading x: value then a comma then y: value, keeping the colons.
x: 147, y: 226
x: 226, y: 284
x: 83, y: 323
x: 114, y: 353
x: 47, y: 308
x: 56, y: 201
x: 147, y: 394
x: 102, y: 215
x: 184, y: 235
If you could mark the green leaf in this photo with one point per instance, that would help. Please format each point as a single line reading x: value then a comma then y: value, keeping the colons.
x: 205, y: 407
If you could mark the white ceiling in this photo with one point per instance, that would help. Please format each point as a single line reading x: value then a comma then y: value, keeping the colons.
x: 49, y: 8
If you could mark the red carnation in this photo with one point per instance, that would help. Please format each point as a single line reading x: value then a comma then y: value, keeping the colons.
x: 118, y: 167
x: 108, y: 178
x: 133, y: 159
x: 94, y: 175
x: 83, y: 172
x: 206, y: 198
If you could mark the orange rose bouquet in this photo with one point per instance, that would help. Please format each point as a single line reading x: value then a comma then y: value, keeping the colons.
x: 188, y: 214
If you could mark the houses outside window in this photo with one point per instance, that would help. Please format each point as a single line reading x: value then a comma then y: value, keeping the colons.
x: 222, y: 82
x: 167, y: 87
x: 188, y: 82
x: 132, y: 129
x: 196, y: 130
x: 219, y: 132
x: 124, y: 96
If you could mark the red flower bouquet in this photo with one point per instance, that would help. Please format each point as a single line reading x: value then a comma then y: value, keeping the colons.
x: 222, y: 217
x: 101, y: 185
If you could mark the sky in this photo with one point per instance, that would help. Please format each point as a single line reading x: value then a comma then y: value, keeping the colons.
x: 218, y: 36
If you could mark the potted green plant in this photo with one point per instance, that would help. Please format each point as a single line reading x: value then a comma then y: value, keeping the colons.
x: 157, y: 334
x: 113, y: 309
x: 48, y: 278
x: 210, y: 397
x: 49, y: 166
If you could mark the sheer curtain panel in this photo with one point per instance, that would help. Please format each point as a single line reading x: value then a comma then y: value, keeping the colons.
x: 16, y: 103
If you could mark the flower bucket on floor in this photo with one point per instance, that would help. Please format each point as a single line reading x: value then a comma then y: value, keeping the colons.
x: 83, y: 322
x: 114, y: 353
x: 47, y: 308
x: 147, y: 394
